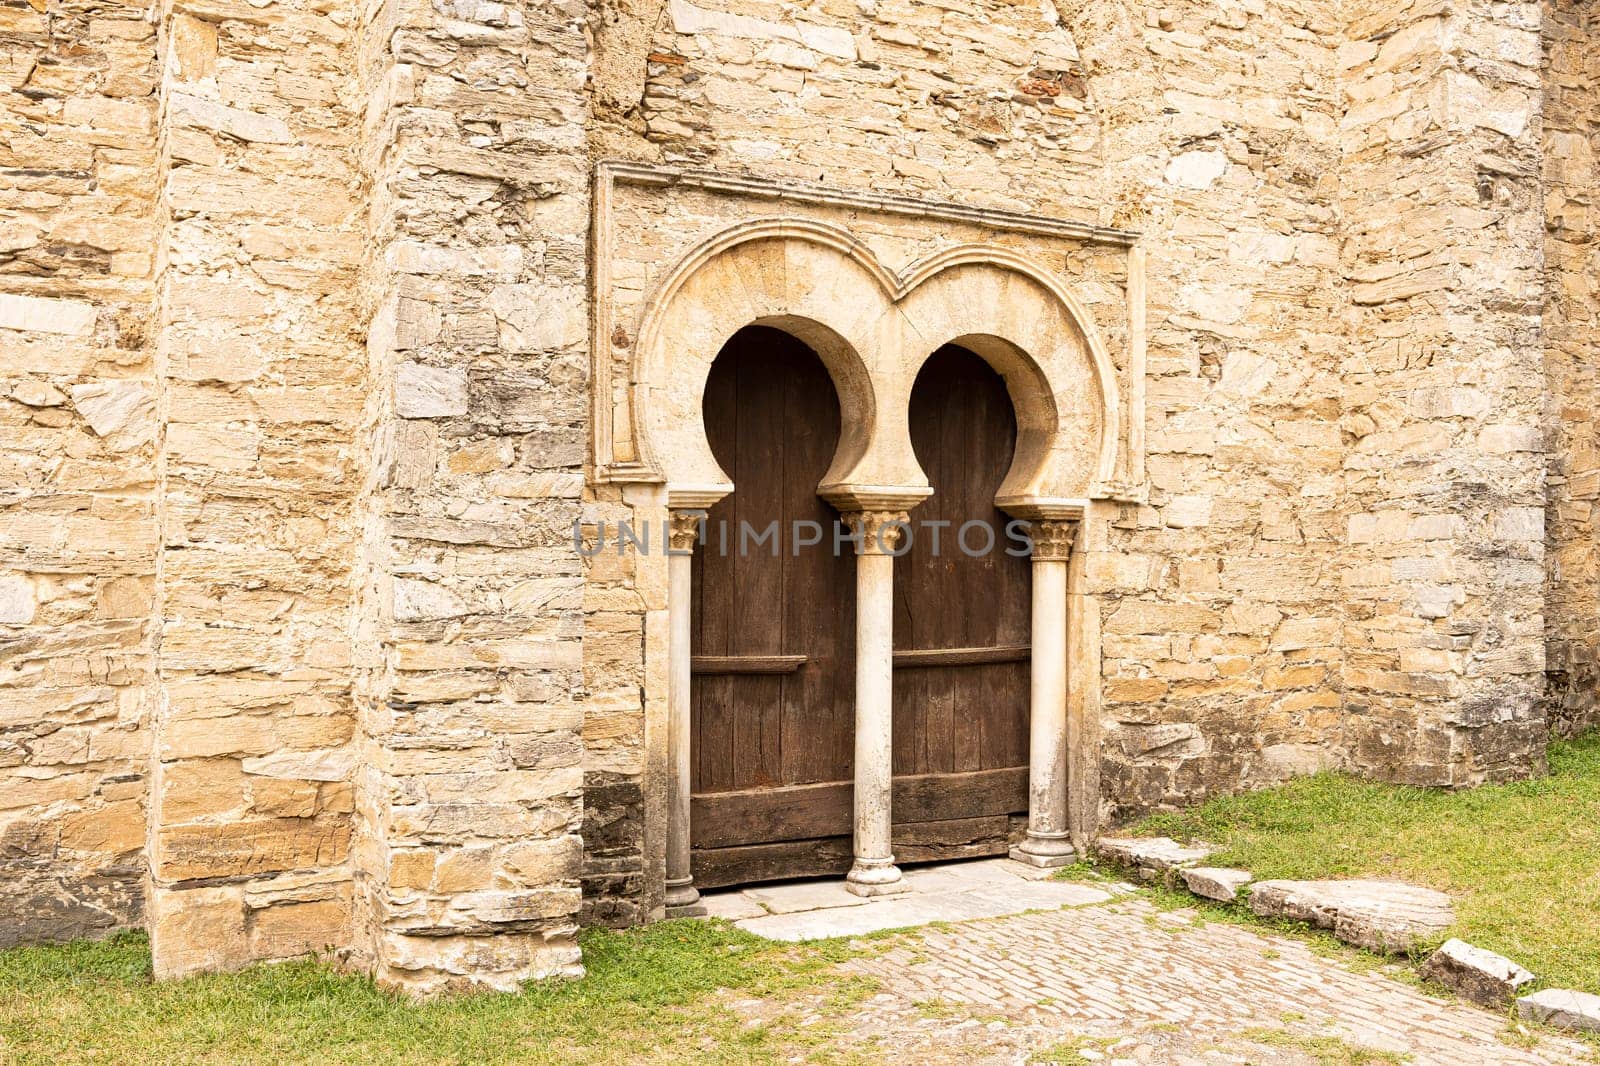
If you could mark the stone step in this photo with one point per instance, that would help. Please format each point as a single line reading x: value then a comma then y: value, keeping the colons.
x: 1386, y: 916
x: 1214, y: 882
x: 1150, y: 858
x: 1563, y: 1008
x: 1481, y: 976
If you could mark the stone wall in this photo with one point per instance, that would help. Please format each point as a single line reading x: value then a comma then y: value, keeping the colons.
x: 1220, y: 598
x: 1571, y: 352
x: 1443, y: 565
x: 77, y: 443
x: 261, y: 391
x: 470, y: 620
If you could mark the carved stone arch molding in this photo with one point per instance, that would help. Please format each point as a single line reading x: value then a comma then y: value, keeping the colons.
x: 1028, y: 326
x: 812, y: 280
x: 873, y: 330
x: 1078, y: 411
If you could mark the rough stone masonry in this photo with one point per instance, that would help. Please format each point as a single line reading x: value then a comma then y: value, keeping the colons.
x: 302, y: 394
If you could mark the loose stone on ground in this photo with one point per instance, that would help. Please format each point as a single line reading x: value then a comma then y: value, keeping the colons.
x: 1387, y: 916
x: 1152, y: 858
x: 1214, y: 882
x: 1481, y: 976
x: 1562, y: 1008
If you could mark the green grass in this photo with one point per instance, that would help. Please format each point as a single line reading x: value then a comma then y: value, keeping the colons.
x: 650, y: 994
x: 1327, y: 1050
x: 1521, y: 860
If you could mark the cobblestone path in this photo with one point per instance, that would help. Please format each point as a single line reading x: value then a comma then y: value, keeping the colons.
x: 1124, y: 982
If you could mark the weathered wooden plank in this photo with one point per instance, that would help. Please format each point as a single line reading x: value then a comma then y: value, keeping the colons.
x: 951, y: 839
x: 713, y: 607
x: 799, y: 812
x: 729, y: 665
x: 1011, y: 653
x: 718, y: 867
x: 913, y: 842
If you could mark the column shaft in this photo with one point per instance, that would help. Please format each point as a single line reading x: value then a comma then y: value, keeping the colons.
x: 682, y: 898
x: 874, y: 872
x: 1047, y: 843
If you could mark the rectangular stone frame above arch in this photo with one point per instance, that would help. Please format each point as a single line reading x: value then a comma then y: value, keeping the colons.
x: 646, y: 219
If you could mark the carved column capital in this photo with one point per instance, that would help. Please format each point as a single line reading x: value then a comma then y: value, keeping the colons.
x: 683, y: 531
x: 1052, y: 539
x: 877, y: 532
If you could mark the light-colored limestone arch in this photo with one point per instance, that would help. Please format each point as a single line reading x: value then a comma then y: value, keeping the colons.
x: 814, y: 281
x: 1032, y: 330
x: 873, y: 330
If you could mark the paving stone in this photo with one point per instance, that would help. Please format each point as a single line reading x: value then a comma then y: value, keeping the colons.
x: 961, y: 875
x: 920, y: 908
x: 1563, y: 1008
x: 1214, y: 882
x: 730, y: 905
x: 798, y: 896
x: 1027, y: 871
x: 1152, y: 858
x: 1475, y: 974
x: 1190, y: 992
x: 1389, y: 916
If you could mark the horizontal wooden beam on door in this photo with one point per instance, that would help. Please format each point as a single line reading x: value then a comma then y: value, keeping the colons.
x: 944, y: 841
x: 800, y: 812
x: 725, y: 665
x: 1011, y: 653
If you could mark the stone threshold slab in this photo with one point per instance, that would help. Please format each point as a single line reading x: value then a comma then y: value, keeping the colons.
x: 951, y: 892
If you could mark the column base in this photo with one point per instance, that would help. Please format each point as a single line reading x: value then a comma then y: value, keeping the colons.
x: 1045, y: 851
x: 683, y: 899
x: 875, y: 877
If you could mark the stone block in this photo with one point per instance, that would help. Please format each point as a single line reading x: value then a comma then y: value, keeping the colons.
x: 1384, y: 916
x: 332, y: 764
x: 287, y: 930
x: 72, y: 318
x: 188, y: 110
x: 1152, y: 858
x: 44, y: 900
x: 249, y: 846
x: 18, y: 602
x: 1214, y: 882
x: 1481, y: 976
x: 535, y: 318
x: 1196, y: 170
x: 422, y: 391
x: 428, y: 965
x: 124, y: 412
x: 197, y: 930
x: 284, y: 798
x: 1162, y: 740
x: 1562, y: 1008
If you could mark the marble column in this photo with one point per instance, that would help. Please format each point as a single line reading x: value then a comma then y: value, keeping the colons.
x: 1048, y: 842
x: 683, y: 899
x: 878, y: 534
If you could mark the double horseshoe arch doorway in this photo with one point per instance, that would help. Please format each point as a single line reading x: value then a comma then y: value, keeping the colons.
x: 841, y: 699
x: 773, y: 652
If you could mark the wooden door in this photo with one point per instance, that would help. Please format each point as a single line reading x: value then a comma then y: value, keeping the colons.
x: 774, y: 633
x: 961, y: 620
